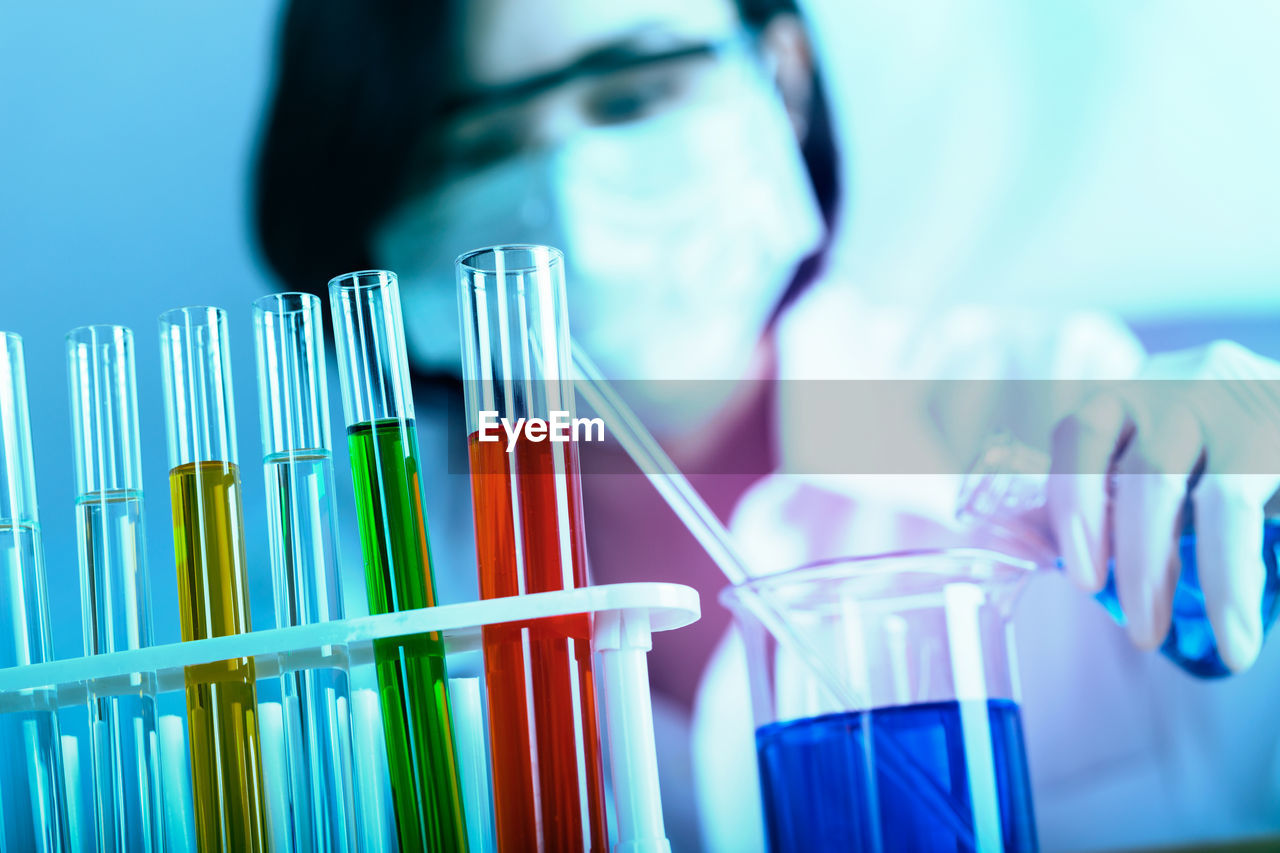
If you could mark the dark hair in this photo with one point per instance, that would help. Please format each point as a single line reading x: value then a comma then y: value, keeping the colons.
x: 357, y: 85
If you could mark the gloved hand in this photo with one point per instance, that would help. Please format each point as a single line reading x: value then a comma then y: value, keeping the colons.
x: 1129, y: 454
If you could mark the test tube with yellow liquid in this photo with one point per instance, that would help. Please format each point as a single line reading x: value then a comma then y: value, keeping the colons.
x: 208, y: 540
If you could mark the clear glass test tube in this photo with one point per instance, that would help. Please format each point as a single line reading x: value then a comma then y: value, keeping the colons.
x: 208, y: 534
x: 297, y: 459
x: 548, y: 781
x: 114, y: 586
x: 32, y: 793
x: 382, y: 441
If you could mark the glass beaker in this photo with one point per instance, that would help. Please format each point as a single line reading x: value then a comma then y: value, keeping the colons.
x: 888, y: 718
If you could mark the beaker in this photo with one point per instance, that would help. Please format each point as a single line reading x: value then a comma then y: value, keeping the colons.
x: 888, y: 718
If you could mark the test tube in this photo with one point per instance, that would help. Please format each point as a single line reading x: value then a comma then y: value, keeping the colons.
x: 114, y: 589
x: 208, y: 540
x: 417, y: 724
x: 33, y: 804
x: 545, y: 748
x: 297, y: 459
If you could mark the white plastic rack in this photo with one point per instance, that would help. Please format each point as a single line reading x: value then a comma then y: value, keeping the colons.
x: 626, y: 616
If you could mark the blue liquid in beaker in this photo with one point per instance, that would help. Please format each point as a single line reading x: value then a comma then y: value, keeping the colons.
x: 1190, y: 642
x: 825, y: 790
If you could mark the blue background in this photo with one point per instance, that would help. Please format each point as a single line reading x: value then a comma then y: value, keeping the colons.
x: 995, y: 152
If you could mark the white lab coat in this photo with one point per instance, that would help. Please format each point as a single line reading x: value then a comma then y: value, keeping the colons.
x: 1124, y: 748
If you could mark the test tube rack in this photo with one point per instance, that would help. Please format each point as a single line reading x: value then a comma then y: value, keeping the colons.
x: 625, y: 618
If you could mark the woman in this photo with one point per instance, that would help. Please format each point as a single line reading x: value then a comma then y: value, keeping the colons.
x: 681, y: 154
x: 490, y: 152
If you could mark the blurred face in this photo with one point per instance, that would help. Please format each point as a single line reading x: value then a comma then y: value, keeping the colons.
x: 646, y: 140
x: 535, y: 72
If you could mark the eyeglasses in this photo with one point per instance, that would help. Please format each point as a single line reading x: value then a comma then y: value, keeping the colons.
x: 617, y: 84
x: 610, y: 60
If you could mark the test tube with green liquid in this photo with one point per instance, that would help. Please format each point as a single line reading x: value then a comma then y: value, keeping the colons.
x: 33, y: 799
x: 115, y: 593
x: 412, y: 680
x: 213, y: 591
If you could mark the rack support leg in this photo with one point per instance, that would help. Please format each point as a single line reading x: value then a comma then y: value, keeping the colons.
x: 623, y: 640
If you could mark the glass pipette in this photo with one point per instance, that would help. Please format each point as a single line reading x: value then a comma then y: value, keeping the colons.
x: 715, y: 539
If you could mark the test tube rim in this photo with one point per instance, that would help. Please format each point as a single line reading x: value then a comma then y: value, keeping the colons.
x: 268, y: 303
x: 15, y: 391
x: 464, y: 260
x: 173, y: 324
x: 186, y: 311
x: 78, y: 331
x: 119, y: 340
x: 355, y: 280
x: 295, y: 310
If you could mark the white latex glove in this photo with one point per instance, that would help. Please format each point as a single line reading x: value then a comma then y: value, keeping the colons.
x: 1129, y: 454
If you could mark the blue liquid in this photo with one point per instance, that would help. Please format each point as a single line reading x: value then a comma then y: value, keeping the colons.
x: 128, y: 800
x: 308, y: 589
x: 126, y: 755
x: 1190, y: 643
x: 33, y: 794
x: 32, y: 791
x: 318, y: 717
x: 829, y: 782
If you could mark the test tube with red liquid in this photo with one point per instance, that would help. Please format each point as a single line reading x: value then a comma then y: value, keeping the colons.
x: 548, y: 783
